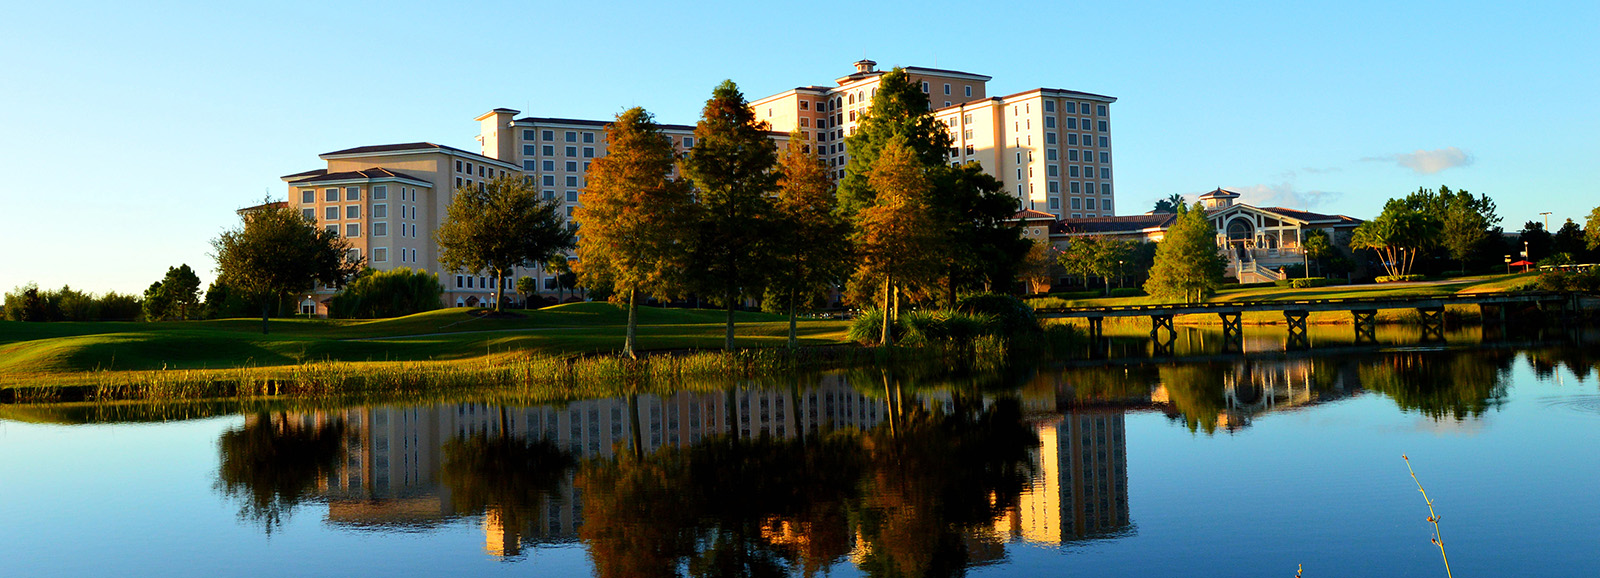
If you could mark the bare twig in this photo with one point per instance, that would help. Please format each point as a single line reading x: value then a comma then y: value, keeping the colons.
x: 1438, y: 540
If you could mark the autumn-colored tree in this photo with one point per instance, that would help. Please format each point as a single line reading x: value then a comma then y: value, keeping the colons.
x: 1035, y: 272
x: 897, y: 236
x: 811, y: 249
x: 498, y: 226
x: 731, y: 166
x: 637, y: 219
x: 1187, y: 265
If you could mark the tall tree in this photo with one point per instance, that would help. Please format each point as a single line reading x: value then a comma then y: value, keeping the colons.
x: 1591, y: 230
x: 498, y: 226
x: 175, y: 296
x: 1187, y: 264
x: 1035, y: 273
x: 637, y: 219
x: 897, y: 236
x: 812, y: 247
x: 277, y: 252
x: 899, y: 109
x: 984, y: 247
x: 1097, y: 256
x: 1569, y: 239
x: 731, y: 166
x: 1535, y: 241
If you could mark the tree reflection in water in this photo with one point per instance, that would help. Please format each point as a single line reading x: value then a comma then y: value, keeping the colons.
x: 273, y: 463
x: 765, y: 506
x: 508, y: 478
x: 1457, y: 385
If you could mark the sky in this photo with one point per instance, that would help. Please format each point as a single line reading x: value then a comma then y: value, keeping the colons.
x: 132, y: 131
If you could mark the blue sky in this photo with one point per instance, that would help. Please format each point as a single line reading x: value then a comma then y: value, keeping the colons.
x: 132, y: 131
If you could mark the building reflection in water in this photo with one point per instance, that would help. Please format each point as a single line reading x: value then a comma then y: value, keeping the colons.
x: 1081, y: 489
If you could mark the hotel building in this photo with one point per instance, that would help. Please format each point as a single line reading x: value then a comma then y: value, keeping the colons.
x: 1051, y: 148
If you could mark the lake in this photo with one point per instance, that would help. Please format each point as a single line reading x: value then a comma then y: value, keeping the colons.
x: 1202, y: 464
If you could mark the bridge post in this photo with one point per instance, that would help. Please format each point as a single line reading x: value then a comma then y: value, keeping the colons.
x: 1366, y: 321
x: 1432, y: 323
x: 1296, y: 320
x: 1232, y: 330
x: 1157, y: 323
x: 1097, y: 327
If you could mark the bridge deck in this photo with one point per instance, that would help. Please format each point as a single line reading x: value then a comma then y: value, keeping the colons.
x: 1348, y: 304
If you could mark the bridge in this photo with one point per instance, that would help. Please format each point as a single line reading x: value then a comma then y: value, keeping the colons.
x: 1363, y: 310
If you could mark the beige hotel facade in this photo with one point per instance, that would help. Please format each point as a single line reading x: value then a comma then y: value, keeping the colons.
x: 1051, y: 149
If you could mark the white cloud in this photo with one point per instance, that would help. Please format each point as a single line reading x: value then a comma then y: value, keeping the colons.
x: 1428, y: 162
x: 1284, y: 195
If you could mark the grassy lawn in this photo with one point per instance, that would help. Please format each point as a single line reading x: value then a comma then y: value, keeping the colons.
x: 33, y: 350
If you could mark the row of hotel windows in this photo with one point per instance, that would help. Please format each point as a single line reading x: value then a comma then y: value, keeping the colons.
x: 1072, y: 171
x: 381, y: 255
x: 483, y: 171
x: 379, y: 193
x: 1080, y: 204
x: 572, y: 137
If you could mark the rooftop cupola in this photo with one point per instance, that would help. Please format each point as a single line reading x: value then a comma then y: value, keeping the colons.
x: 865, y: 65
x: 1219, y: 198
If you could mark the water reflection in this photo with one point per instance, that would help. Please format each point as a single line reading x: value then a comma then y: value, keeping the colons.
x: 895, y: 475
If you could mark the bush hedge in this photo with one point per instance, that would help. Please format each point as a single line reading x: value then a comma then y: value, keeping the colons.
x: 1399, y: 278
x: 1304, y: 282
x: 1012, y: 315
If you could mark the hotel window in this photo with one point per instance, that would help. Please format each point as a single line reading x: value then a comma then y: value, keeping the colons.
x: 1105, y: 142
x: 308, y: 196
x: 947, y: 103
x: 1072, y: 123
x: 1077, y: 204
x: 380, y: 229
x: 1100, y: 125
x: 549, y: 165
x: 458, y: 165
x: 1100, y: 110
x: 805, y: 105
x: 352, y: 212
x: 548, y: 150
x: 572, y: 152
x: 458, y: 282
x: 1072, y: 154
x: 1076, y: 188
x: 481, y: 172
x: 547, y: 136
x: 1049, y: 122
x: 569, y: 211
x: 805, y: 122
x: 947, y: 89
x: 1049, y: 106
x: 331, y: 228
x: 969, y: 149
x: 924, y: 86
x: 572, y: 136
x: 330, y: 214
x: 1105, y: 157
x: 1052, y: 171
x: 330, y: 195
x: 469, y: 169
x: 549, y: 180
x: 1049, y: 138
x: 1088, y: 188
x: 1105, y: 172
x: 529, y: 150
x: 352, y: 230
x: 1054, y: 187
x: 380, y: 192
x: 572, y: 181
x: 572, y: 196
x: 688, y: 142
x: 1050, y: 154
x: 380, y: 211
x: 1089, y: 204
x: 380, y: 255
x: 585, y: 166
x: 1071, y: 107
x: 588, y: 152
x: 1072, y: 171
x: 549, y: 195
x: 528, y: 135
x: 529, y: 164
x: 1072, y: 138
x: 572, y: 166
x: 1105, y: 205
x: 967, y: 134
x: 1088, y: 172
x: 969, y: 90
x: 1055, y: 203
x: 588, y: 137
x: 309, y: 214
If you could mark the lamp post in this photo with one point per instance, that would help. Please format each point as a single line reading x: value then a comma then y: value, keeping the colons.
x: 1525, y: 255
x: 1120, y: 278
x: 1508, y: 264
x: 1546, y: 221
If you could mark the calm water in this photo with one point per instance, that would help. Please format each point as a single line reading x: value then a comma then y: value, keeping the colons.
x: 1215, y: 467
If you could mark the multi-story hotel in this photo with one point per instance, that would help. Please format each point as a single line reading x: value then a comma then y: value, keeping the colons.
x: 1051, y: 148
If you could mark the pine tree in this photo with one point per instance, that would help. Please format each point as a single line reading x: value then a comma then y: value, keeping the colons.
x: 1187, y: 264
x: 899, y: 109
x: 811, y: 248
x: 637, y: 220
x: 897, y: 236
x: 731, y: 166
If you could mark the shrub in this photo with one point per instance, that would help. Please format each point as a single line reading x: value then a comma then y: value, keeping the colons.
x: 1584, y: 281
x: 392, y: 293
x: 1399, y: 278
x: 868, y: 327
x: 929, y: 326
x: 1127, y: 292
x: 1012, y: 315
x: 1303, y: 282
